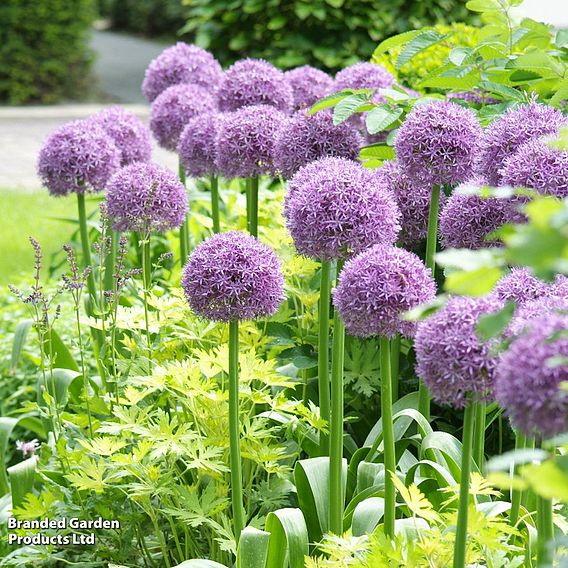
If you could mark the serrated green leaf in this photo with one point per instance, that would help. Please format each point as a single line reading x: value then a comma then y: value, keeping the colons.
x: 420, y: 42
x: 394, y: 41
x: 381, y: 117
x: 379, y: 151
x: 347, y: 107
x: 329, y: 101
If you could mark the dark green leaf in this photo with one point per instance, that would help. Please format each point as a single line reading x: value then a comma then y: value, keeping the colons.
x: 346, y: 107
x: 381, y: 117
x: 422, y: 41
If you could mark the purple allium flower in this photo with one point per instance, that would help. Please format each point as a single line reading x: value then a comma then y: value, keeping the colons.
x: 506, y: 134
x: 181, y: 63
x: 334, y: 209
x: 467, y: 220
x: 534, y: 309
x: 363, y: 75
x: 519, y: 286
x: 451, y: 359
x: 254, y: 82
x: 145, y: 197
x: 77, y: 157
x: 196, y: 146
x: 305, y: 138
x: 528, y: 380
x: 131, y: 137
x: 476, y: 97
x: 538, y: 166
x: 413, y: 198
x: 437, y: 143
x: 232, y: 276
x: 377, y: 286
x: 245, y: 141
x: 27, y: 448
x: 173, y: 109
x: 308, y: 85
x: 559, y: 288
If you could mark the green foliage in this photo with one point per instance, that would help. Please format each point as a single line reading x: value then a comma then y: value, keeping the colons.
x: 44, y: 54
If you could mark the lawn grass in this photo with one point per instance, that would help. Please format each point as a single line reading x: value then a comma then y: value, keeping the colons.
x: 33, y: 214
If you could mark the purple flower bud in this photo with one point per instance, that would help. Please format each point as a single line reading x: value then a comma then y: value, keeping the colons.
x: 196, y: 147
x: 131, y: 137
x: 254, y: 82
x: 232, y: 276
x: 245, y: 141
x: 363, y: 75
x: 305, y: 138
x: 528, y: 379
x: 334, y: 209
x: 437, y: 143
x: 519, y: 286
x: 145, y: 197
x: 77, y: 157
x: 181, y: 63
x: 173, y: 109
x: 451, y: 359
x: 308, y: 85
x: 377, y: 286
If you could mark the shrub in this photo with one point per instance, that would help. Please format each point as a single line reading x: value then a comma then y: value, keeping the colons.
x: 44, y: 53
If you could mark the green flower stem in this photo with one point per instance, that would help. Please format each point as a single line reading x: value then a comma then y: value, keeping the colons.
x: 253, y: 206
x: 460, y: 547
x: 545, y: 529
x: 517, y: 494
x: 110, y: 261
x: 147, y: 283
x: 215, y: 204
x: 336, y: 497
x: 394, y: 362
x: 430, y: 261
x: 388, y: 435
x: 184, y: 229
x: 234, y: 431
x: 86, y: 248
x: 323, y: 351
x: 247, y: 195
x: 479, y: 434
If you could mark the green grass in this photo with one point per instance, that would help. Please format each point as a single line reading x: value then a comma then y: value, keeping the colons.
x: 31, y: 214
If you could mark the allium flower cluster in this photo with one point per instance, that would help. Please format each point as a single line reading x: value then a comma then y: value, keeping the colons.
x: 466, y: 221
x: 377, y: 286
x: 76, y: 158
x: 308, y: 85
x: 245, y: 141
x: 451, y: 359
x: 538, y: 166
x: 413, y: 198
x: 131, y: 137
x: 519, y: 286
x: 254, y: 82
x: 437, y: 143
x: 559, y: 287
x: 232, y: 276
x: 334, y: 209
x: 534, y: 309
x: 528, y: 382
x: 305, y: 138
x: 181, y: 63
x: 145, y: 197
x: 172, y: 110
x: 476, y: 97
x: 196, y: 147
x: 514, y: 128
x: 363, y: 75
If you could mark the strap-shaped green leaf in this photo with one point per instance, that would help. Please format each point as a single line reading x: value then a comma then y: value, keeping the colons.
x: 289, y: 541
x: 22, y: 480
x: 20, y: 336
x: 252, y: 551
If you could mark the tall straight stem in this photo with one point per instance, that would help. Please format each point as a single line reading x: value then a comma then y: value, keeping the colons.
x: 479, y: 433
x: 323, y: 351
x: 146, y: 283
x: 234, y: 431
x: 545, y: 529
x: 394, y: 363
x: 460, y: 547
x: 110, y: 261
x: 388, y: 435
x: 253, y: 206
x: 516, y: 494
x: 184, y: 229
x: 430, y: 261
x: 86, y: 248
x: 336, y: 497
x: 215, y: 204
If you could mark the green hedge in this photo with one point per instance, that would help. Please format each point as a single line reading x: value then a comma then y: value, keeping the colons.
x: 44, y: 53
x: 327, y: 33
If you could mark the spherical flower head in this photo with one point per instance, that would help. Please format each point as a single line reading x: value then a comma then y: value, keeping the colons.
x: 538, y: 166
x: 363, y: 75
x: 534, y: 309
x: 254, y: 82
x: 467, y: 221
x: 413, y: 198
x: 131, y: 137
x: 437, y: 143
x: 196, y: 147
x: 559, y: 288
x: 308, y: 85
x: 245, y: 141
x: 172, y: 110
x: 335, y: 209
x: 451, y: 359
x: 305, y: 138
x: 377, y: 286
x: 528, y: 382
x: 144, y: 197
x: 232, y: 276
x: 519, y: 286
x: 181, y: 63
x: 76, y: 158
x: 514, y: 128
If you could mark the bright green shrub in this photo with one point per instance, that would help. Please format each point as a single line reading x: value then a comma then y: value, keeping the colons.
x: 44, y: 53
x: 327, y: 33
